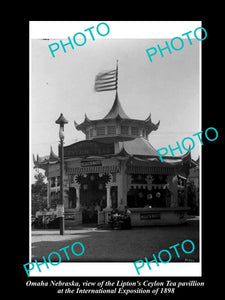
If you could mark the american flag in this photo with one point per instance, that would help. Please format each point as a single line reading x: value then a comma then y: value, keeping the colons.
x: 106, y: 81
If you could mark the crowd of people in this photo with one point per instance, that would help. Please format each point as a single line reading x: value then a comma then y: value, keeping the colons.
x: 120, y: 219
x: 45, y: 218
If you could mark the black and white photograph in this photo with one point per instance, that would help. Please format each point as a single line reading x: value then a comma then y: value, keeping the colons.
x: 116, y: 151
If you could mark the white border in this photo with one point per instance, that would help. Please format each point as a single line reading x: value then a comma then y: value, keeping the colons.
x: 200, y: 155
x: 118, y: 29
x: 115, y: 269
x: 30, y: 149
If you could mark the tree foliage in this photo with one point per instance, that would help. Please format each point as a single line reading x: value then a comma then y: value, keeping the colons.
x: 39, y: 192
x: 39, y: 187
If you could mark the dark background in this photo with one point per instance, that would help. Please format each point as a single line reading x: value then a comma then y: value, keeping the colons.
x: 212, y: 153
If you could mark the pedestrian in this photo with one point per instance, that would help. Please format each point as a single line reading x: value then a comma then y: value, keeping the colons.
x: 127, y: 218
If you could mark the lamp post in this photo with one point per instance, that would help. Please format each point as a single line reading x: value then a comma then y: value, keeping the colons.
x: 60, y: 205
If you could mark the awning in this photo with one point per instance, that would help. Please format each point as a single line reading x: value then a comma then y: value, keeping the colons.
x: 93, y: 169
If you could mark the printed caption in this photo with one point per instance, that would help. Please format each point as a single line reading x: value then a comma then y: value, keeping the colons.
x: 116, y: 286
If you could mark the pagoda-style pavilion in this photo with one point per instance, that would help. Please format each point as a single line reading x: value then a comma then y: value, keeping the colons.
x: 116, y: 166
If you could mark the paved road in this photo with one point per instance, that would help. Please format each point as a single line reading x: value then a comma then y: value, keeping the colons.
x: 117, y: 245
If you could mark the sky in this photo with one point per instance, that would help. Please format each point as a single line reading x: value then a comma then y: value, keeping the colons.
x: 168, y: 88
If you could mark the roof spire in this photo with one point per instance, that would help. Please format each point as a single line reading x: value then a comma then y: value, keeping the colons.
x: 116, y: 110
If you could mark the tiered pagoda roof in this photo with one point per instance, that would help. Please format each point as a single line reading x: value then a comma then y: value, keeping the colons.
x: 128, y: 137
x: 46, y: 160
x: 137, y: 147
x: 131, y: 128
x: 116, y: 111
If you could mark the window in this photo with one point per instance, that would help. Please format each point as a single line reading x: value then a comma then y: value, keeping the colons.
x: 52, y: 181
x: 91, y: 132
x: 111, y: 129
x: 134, y: 130
x: 100, y: 131
x: 124, y: 130
x: 72, y: 197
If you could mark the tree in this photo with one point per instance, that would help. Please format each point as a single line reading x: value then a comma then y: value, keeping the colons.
x: 39, y: 192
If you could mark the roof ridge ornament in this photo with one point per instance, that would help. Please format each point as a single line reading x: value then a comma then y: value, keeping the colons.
x: 86, y: 118
x: 148, y: 118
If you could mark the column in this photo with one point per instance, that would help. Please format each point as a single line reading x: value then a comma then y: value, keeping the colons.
x: 108, y: 196
x: 124, y: 193
x: 122, y: 182
x: 77, y: 187
x: 172, y: 180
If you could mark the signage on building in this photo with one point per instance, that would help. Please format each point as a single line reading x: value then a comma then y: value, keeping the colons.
x: 87, y: 148
x: 149, y: 216
x: 89, y: 163
x: 69, y: 216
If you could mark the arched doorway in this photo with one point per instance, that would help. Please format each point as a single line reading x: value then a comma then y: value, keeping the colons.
x: 92, y: 195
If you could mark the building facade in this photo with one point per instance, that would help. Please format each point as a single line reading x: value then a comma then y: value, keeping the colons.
x: 116, y: 166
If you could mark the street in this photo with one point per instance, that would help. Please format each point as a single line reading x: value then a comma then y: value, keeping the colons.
x: 118, y: 245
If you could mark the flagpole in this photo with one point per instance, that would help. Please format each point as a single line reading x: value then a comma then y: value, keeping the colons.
x: 116, y: 77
